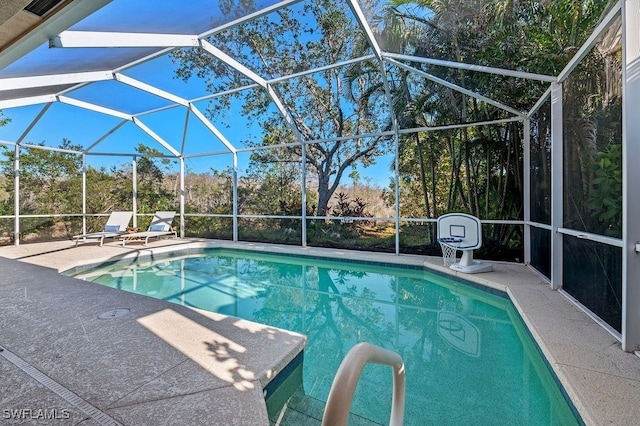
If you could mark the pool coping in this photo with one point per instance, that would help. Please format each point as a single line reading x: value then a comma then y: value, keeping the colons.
x: 602, y: 381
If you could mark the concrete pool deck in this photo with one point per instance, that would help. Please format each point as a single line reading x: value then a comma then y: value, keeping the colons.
x: 136, y: 367
x: 86, y: 354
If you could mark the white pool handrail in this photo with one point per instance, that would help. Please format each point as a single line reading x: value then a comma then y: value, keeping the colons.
x: 336, y: 412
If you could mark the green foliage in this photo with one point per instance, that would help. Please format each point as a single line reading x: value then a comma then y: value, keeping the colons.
x: 267, y: 187
x: 152, y: 193
x: 479, y: 170
x: 345, y: 207
x: 3, y: 119
x: 209, y: 227
x: 345, y: 232
x: 51, y: 184
x: 592, y: 132
x: 605, y: 199
x: 209, y: 192
x: 49, y: 180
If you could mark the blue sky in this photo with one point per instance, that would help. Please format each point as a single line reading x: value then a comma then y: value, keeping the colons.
x: 84, y: 127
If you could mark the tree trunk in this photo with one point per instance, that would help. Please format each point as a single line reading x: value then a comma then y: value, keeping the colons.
x: 434, y: 183
x: 423, y: 177
x: 323, y: 194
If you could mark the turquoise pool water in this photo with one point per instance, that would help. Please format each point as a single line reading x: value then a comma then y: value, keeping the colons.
x: 468, y: 357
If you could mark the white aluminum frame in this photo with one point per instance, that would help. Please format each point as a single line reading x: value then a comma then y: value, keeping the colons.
x: 526, y: 182
x: 631, y: 175
x: 557, y: 185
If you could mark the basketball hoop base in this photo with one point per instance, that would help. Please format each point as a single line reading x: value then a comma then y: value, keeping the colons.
x: 475, y: 268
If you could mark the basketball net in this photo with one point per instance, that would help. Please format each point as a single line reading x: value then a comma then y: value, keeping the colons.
x: 448, y: 254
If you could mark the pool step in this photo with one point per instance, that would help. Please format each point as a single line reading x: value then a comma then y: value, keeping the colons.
x: 306, y: 410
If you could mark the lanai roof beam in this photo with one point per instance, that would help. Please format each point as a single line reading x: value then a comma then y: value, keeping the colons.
x: 150, y: 89
x: 30, y: 100
x: 33, y: 123
x: 16, y: 83
x: 70, y: 39
x: 470, y: 67
x: 458, y: 88
x: 262, y: 12
x: 95, y: 108
x: 155, y: 136
x: 364, y: 25
x: 103, y: 137
x: 213, y: 129
x: 217, y: 53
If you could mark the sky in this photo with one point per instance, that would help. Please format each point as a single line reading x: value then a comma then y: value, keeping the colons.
x: 84, y: 127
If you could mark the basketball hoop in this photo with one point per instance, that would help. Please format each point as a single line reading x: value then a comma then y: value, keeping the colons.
x: 460, y: 231
x: 449, y: 250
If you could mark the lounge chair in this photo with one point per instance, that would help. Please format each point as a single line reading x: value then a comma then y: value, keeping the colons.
x: 116, y: 226
x: 160, y: 226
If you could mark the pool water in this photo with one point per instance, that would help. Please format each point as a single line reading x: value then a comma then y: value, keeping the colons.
x: 468, y: 357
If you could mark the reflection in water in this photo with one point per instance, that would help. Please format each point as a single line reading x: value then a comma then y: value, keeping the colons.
x: 459, y: 333
x: 437, y: 325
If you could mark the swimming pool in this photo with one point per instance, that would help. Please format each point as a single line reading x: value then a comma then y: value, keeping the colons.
x: 468, y: 357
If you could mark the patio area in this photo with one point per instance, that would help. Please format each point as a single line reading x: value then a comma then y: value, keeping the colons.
x: 325, y: 128
x: 86, y: 354
x: 161, y: 361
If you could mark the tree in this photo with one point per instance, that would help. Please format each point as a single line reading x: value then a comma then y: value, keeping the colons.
x: 49, y: 180
x: 4, y: 120
x: 209, y: 193
x: 152, y: 171
x: 334, y: 103
x: 50, y: 183
x: 5, y: 192
x: 485, y: 164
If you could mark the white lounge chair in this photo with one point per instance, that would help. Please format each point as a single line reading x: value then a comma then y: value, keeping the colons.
x: 160, y: 226
x: 116, y: 225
